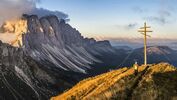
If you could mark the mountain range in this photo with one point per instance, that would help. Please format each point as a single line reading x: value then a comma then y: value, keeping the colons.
x: 48, y: 56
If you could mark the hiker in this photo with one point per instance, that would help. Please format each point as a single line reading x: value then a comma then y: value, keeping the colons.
x: 135, y: 68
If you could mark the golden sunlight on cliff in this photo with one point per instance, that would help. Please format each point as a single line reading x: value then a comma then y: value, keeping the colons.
x: 17, y: 27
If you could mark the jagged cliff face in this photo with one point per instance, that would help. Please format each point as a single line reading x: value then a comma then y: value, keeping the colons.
x: 55, y: 43
x: 51, y: 41
x: 17, y: 27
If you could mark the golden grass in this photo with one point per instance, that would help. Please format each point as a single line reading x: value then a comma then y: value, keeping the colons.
x: 113, y: 85
x: 94, y: 86
x: 160, y: 82
x: 86, y: 86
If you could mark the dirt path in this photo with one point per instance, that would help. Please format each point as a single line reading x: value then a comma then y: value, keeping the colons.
x: 138, y: 78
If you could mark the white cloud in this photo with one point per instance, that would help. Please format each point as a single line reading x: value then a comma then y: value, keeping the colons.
x: 11, y: 9
x: 14, y: 8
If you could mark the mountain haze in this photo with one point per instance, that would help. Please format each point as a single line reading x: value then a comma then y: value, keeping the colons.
x: 155, y: 54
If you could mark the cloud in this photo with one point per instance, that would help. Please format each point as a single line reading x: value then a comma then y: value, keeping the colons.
x: 138, y: 9
x: 165, y: 13
x: 131, y: 25
x: 157, y: 19
x: 44, y: 12
x: 162, y: 17
x: 128, y: 26
x: 12, y: 9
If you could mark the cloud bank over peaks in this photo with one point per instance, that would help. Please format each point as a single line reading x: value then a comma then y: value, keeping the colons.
x: 13, y: 9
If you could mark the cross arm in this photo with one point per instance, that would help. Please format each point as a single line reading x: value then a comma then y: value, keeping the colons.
x: 146, y: 34
x: 145, y: 27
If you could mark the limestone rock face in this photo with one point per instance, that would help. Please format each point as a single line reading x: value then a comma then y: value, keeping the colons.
x: 47, y: 29
x: 51, y: 41
x: 54, y: 42
x: 70, y: 35
x: 34, y: 25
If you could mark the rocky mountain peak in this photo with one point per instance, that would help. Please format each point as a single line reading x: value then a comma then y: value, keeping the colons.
x: 33, y: 24
x: 52, y: 41
x: 104, y: 43
x: 56, y: 29
x: 159, y: 50
x: 62, y: 21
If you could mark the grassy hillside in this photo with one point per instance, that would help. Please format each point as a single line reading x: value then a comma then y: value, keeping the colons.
x: 158, y: 81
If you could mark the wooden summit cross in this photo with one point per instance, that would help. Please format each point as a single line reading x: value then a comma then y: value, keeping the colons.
x: 143, y: 31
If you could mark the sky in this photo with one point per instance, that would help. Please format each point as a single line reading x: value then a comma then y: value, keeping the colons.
x: 118, y: 18
x: 105, y: 19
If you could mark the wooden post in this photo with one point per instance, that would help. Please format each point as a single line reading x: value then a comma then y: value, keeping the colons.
x: 145, y: 45
x: 144, y: 31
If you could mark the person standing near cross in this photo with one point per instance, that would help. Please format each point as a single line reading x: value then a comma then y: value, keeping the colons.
x: 135, y: 68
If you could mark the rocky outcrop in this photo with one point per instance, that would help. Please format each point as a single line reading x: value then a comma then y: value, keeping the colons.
x: 104, y: 43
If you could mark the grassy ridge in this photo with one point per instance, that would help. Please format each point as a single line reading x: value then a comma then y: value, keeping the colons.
x: 156, y: 82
